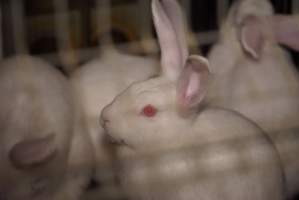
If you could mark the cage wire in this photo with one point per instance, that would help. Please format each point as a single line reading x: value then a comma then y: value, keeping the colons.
x: 18, y: 23
x: 65, y: 51
x: 70, y: 56
x: 1, y: 36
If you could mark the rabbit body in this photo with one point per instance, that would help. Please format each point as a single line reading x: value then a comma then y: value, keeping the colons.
x: 219, y: 155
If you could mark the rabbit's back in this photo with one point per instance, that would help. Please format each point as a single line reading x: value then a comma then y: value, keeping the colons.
x: 229, y: 156
x: 33, y: 91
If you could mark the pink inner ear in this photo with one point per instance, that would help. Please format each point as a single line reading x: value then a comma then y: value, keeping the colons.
x: 30, y: 153
x: 252, y: 38
x: 192, y: 88
x: 192, y: 83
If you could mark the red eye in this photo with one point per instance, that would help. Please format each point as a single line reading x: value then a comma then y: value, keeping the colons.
x: 149, y: 111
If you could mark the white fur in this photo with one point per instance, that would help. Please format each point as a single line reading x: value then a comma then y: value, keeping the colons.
x: 98, y: 82
x: 178, y: 153
x: 36, y: 101
x: 264, y: 88
x: 81, y: 160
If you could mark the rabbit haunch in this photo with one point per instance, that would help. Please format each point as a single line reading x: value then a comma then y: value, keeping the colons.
x: 36, y: 121
x: 181, y: 122
x: 256, y: 77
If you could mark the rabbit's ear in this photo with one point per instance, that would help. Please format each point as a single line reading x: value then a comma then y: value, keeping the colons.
x: 286, y: 30
x: 170, y: 27
x: 193, y: 83
x: 179, y: 22
x: 31, y: 153
x: 251, y: 36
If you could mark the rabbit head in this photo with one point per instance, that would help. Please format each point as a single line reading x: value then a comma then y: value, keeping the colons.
x: 252, y: 28
x: 154, y: 105
x: 231, y: 29
x: 243, y: 8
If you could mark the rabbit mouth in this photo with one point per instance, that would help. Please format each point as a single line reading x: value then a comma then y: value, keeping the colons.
x: 118, y: 142
x: 113, y: 140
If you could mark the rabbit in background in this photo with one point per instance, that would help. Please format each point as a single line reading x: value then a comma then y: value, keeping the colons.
x: 36, y: 139
x: 167, y: 138
x: 253, y: 75
x: 96, y: 83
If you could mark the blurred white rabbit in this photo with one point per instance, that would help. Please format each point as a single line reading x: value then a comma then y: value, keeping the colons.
x: 256, y: 77
x: 172, y: 146
x: 36, y: 121
x: 98, y: 82
x: 252, y: 74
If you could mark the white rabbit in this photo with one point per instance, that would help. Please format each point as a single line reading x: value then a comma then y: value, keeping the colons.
x: 256, y: 77
x: 172, y: 146
x: 36, y: 121
x: 96, y: 84
x: 253, y: 75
